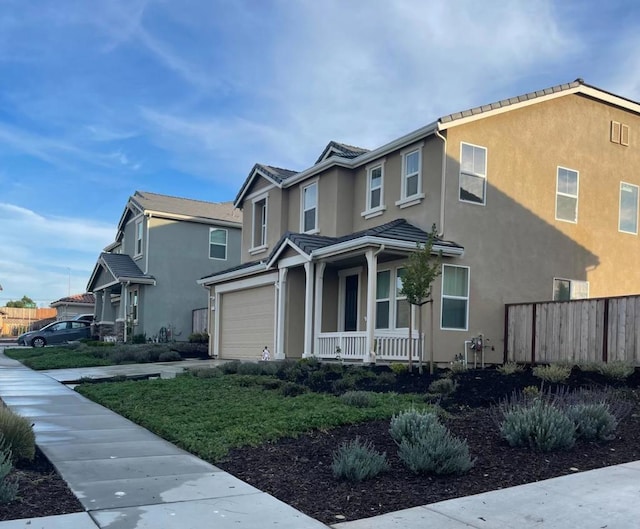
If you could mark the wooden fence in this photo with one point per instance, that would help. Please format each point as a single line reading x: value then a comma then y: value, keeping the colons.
x: 199, y: 320
x: 579, y: 331
x: 14, y: 321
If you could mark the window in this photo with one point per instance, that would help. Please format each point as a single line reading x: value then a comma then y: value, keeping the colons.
x: 217, y: 243
x: 259, y: 223
x: 455, y: 297
x: 567, y: 195
x: 310, y: 208
x: 392, y: 308
x: 473, y: 173
x: 375, y: 187
x: 567, y: 289
x: 411, y: 174
x: 134, y: 305
x: 139, y: 237
x: 628, y: 219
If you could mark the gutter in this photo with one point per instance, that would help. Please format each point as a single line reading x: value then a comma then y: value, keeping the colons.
x: 211, y: 280
x: 389, y: 243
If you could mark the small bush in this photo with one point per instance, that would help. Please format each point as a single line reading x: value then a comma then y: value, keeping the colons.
x: 169, y: 356
x: 358, y: 399
x: 18, y: 435
x: 386, y: 379
x: 457, y: 367
x: 343, y: 384
x: 291, y: 389
x: 553, y: 373
x: 249, y: 368
x: 436, y: 451
x: 539, y: 425
x: 616, y: 370
x: 272, y: 383
x: 206, y: 372
x: 139, y: 338
x: 317, y: 379
x: 230, y: 368
x: 269, y: 368
x: 311, y: 362
x: 510, y: 368
x: 199, y: 337
x: 442, y: 386
x: 357, y: 461
x: 412, y: 424
x: 593, y: 421
x: 8, y: 486
x: 531, y: 392
x: 592, y: 367
x: 399, y: 369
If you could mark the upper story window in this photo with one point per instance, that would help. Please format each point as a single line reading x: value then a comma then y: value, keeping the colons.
x: 567, y: 195
x: 473, y: 174
x: 138, y: 237
x: 411, y: 192
x: 375, y: 191
x: 217, y: 243
x: 455, y: 298
x: 309, y: 219
x: 628, y: 218
x: 567, y: 289
x: 259, y: 229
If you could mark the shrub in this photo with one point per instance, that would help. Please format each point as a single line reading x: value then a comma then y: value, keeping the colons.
x: 554, y: 373
x: 616, y: 370
x: 271, y: 383
x: 199, y: 337
x: 317, y: 379
x: 18, y: 435
x: 311, y: 362
x: 229, y: 368
x: 291, y: 389
x: 593, y: 421
x: 531, y: 392
x: 457, y: 367
x: 206, y: 372
x: 437, y: 451
x: 8, y: 486
x: 139, y: 338
x: 343, y: 384
x: 358, y: 399
x: 539, y: 425
x: 169, y: 356
x: 593, y: 367
x: 442, y: 386
x: 357, y: 461
x: 412, y: 424
x: 386, y: 379
x: 269, y: 368
x: 399, y: 369
x: 510, y: 368
x: 249, y: 368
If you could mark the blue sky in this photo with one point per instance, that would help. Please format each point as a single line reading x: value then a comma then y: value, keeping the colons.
x: 98, y: 99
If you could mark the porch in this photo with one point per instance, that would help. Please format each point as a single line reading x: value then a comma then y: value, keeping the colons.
x: 388, y: 345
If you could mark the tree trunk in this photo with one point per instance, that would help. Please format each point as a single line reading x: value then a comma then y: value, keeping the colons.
x: 431, y: 341
x: 420, y: 339
x: 410, y: 341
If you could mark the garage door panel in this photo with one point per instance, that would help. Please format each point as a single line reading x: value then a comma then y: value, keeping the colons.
x: 247, y: 322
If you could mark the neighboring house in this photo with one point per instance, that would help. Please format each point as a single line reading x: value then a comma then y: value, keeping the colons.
x: 71, y: 306
x: 145, y: 281
x: 534, y: 198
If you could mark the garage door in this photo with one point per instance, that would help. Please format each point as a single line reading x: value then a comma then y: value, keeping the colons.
x: 247, y: 322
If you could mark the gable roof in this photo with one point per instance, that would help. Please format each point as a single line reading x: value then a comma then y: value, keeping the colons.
x: 275, y: 175
x: 77, y: 299
x: 155, y: 203
x: 121, y: 267
x: 350, y: 157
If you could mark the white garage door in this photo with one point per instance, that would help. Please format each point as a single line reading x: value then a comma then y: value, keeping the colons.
x: 247, y: 322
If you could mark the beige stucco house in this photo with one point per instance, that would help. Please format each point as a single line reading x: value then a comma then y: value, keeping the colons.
x: 534, y: 198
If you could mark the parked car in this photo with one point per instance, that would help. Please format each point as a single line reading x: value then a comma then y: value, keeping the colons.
x: 84, y: 317
x: 56, y: 332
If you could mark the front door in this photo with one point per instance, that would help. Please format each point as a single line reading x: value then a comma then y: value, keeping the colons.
x: 351, y: 303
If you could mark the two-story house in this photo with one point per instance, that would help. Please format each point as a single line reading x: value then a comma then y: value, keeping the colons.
x: 145, y: 281
x: 534, y: 198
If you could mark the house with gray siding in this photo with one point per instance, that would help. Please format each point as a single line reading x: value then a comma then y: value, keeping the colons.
x: 145, y: 281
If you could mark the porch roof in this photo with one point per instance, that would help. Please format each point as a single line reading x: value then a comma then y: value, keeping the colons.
x: 121, y: 267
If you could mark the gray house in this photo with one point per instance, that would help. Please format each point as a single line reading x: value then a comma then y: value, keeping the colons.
x: 145, y: 281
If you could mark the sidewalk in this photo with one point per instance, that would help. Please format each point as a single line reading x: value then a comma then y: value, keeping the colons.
x: 128, y: 478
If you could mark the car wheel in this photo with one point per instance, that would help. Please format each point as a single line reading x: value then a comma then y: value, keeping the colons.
x: 38, y: 342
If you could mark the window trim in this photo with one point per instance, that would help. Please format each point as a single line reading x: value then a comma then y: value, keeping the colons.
x: 571, y: 281
x: 443, y: 296
x: 484, y: 176
x: 559, y: 193
x: 411, y: 200
x: 226, y: 244
x: 315, y: 229
x: 139, y: 238
x: 393, y: 298
x: 371, y: 212
x: 620, y: 207
x: 264, y: 224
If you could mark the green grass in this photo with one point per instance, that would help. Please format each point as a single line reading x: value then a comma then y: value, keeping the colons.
x: 56, y: 358
x: 210, y: 416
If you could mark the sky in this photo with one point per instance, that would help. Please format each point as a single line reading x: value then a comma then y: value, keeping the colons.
x: 99, y: 99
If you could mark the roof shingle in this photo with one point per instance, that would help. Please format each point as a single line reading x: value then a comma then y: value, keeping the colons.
x: 188, y: 207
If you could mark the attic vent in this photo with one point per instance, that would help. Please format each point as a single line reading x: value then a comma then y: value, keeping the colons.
x: 619, y: 133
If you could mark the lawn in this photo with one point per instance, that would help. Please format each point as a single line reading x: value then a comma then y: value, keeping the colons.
x: 210, y: 416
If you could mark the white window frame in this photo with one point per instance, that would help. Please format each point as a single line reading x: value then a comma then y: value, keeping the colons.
x: 139, y: 238
x: 407, y: 201
x: 394, y: 297
x: 443, y: 296
x: 261, y: 245
x: 135, y: 305
x: 303, y: 210
x: 474, y: 174
x: 559, y: 193
x: 226, y: 244
x: 374, y: 211
x: 620, y: 208
x: 572, y: 282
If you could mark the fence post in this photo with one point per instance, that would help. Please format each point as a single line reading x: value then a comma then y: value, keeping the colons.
x: 533, y: 333
x: 605, y: 332
x: 505, y: 356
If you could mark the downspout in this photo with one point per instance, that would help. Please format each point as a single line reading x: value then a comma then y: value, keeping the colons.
x: 146, y: 250
x: 442, y: 184
x: 373, y: 349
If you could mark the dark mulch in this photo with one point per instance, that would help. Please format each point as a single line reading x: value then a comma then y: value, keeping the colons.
x: 298, y: 472
x: 42, y: 492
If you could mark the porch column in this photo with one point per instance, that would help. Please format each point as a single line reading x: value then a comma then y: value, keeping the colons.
x: 308, y: 310
x: 282, y: 300
x: 317, y: 326
x: 372, y: 271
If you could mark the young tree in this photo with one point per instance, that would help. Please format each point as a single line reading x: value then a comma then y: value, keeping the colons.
x: 421, y: 271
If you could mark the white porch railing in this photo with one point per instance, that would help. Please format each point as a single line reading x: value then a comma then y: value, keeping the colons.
x: 390, y: 345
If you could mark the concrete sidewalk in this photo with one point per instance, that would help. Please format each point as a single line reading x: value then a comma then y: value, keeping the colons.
x: 128, y: 478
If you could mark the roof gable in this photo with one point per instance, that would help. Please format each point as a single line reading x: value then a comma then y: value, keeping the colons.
x: 275, y: 175
x: 121, y: 267
x: 343, y: 150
